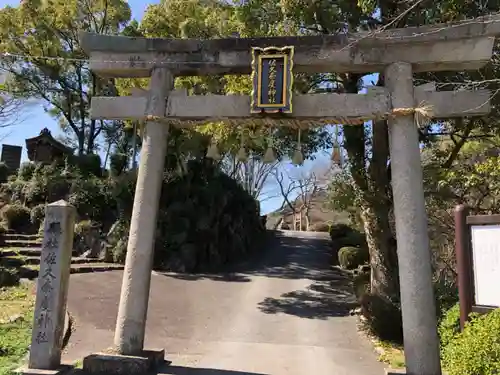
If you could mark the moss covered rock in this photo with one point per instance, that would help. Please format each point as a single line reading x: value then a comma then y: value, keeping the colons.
x: 9, y: 276
x: 351, y: 257
x: 16, y: 216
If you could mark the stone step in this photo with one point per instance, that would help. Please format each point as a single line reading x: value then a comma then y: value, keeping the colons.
x: 22, y: 237
x: 95, y: 267
x: 12, y: 261
x: 17, y: 260
x: 26, y: 251
x: 22, y: 243
x: 29, y: 251
x: 31, y: 272
x: 7, y: 252
x: 77, y: 260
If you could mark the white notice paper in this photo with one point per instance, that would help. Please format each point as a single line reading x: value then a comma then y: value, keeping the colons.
x: 486, y: 264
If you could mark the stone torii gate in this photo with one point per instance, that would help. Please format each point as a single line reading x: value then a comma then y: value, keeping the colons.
x: 397, y: 53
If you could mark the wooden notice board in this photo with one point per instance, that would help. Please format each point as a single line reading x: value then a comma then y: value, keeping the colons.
x: 477, y: 245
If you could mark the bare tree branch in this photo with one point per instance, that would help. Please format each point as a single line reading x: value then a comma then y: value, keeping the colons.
x: 298, y: 192
x: 252, y: 174
x: 10, y: 110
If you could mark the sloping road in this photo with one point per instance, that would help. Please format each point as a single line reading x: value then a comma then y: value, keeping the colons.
x: 285, y: 313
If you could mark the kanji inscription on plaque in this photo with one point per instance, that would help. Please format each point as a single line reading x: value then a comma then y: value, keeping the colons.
x: 272, y: 79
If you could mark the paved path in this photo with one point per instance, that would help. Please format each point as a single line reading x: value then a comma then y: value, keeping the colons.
x: 286, y: 313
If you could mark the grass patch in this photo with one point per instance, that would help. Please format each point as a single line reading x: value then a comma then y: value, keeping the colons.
x: 16, y: 318
x: 392, y: 354
x: 78, y: 364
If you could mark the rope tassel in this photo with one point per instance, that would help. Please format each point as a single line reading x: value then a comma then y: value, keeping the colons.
x: 213, y: 151
x: 269, y: 156
x: 336, y: 157
x: 298, y: 157
x: 337, y: 151
x: 242, y: 154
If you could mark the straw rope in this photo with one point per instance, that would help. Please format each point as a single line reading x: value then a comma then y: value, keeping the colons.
x: 423, y: 114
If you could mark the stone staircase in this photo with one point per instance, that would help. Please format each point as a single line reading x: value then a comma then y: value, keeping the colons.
x: 23, y: 252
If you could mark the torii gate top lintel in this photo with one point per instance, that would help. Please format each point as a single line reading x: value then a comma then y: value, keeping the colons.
x: 458, y: 46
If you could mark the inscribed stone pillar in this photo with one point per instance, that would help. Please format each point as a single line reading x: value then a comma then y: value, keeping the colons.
x: 52, y: 287
x: 421, y: 344
x: 132, y: 312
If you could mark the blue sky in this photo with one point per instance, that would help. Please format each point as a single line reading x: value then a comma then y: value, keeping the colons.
x: 34, y: 119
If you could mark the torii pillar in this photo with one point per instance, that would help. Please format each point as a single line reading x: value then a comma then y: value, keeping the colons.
x: 133, y: 308
x: 421, y: 341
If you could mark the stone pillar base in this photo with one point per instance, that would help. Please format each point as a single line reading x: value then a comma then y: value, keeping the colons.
x: 63, y: 369
x: 117, y: 364
x: 395, y: 371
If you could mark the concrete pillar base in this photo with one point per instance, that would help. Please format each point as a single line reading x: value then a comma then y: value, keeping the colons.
x: 117, y: 364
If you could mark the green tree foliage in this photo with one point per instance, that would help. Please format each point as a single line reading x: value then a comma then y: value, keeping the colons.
x: 215, y: 19
x: 93, y: 197
x: 207, y: 219
x: 42, y: 38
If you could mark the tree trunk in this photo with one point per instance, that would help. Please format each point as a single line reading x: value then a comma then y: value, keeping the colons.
x: 384, y: 280
x: 81, y: 142
x: 371, y: 179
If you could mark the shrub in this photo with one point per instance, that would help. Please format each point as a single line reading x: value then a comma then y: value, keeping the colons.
x: 37, y: 214
x: 4, y: 172
x: 8, y: 276
x: 89, y: 164
x: 117, y: 163
x: 319, y: 227
x: 382, y: 318
x: 449, y: 326
x: 476, y: 350
x: 82, y: 227
x: 92, y: 198
x: 340, y: 230
x: 16, y: 216
x: 14, y: 189
x: 353, y: 238
x: 26, y: 171
x: 122, y: 190
x: 117, y: 237
x: 351, y: 257
x: 120, y: 251
x: 206, y: 219
x: 361, y: 284
x: 4, y: 198
x: 446, y: 293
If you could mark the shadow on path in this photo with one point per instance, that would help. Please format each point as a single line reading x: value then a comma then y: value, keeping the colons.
x: 282, y: 257
x: 329, y: 294
x: 320, y: 300
x: 181, y: 370
x: 222, y: 277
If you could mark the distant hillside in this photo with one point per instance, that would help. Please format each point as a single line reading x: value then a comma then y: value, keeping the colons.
x: 318, y: 213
